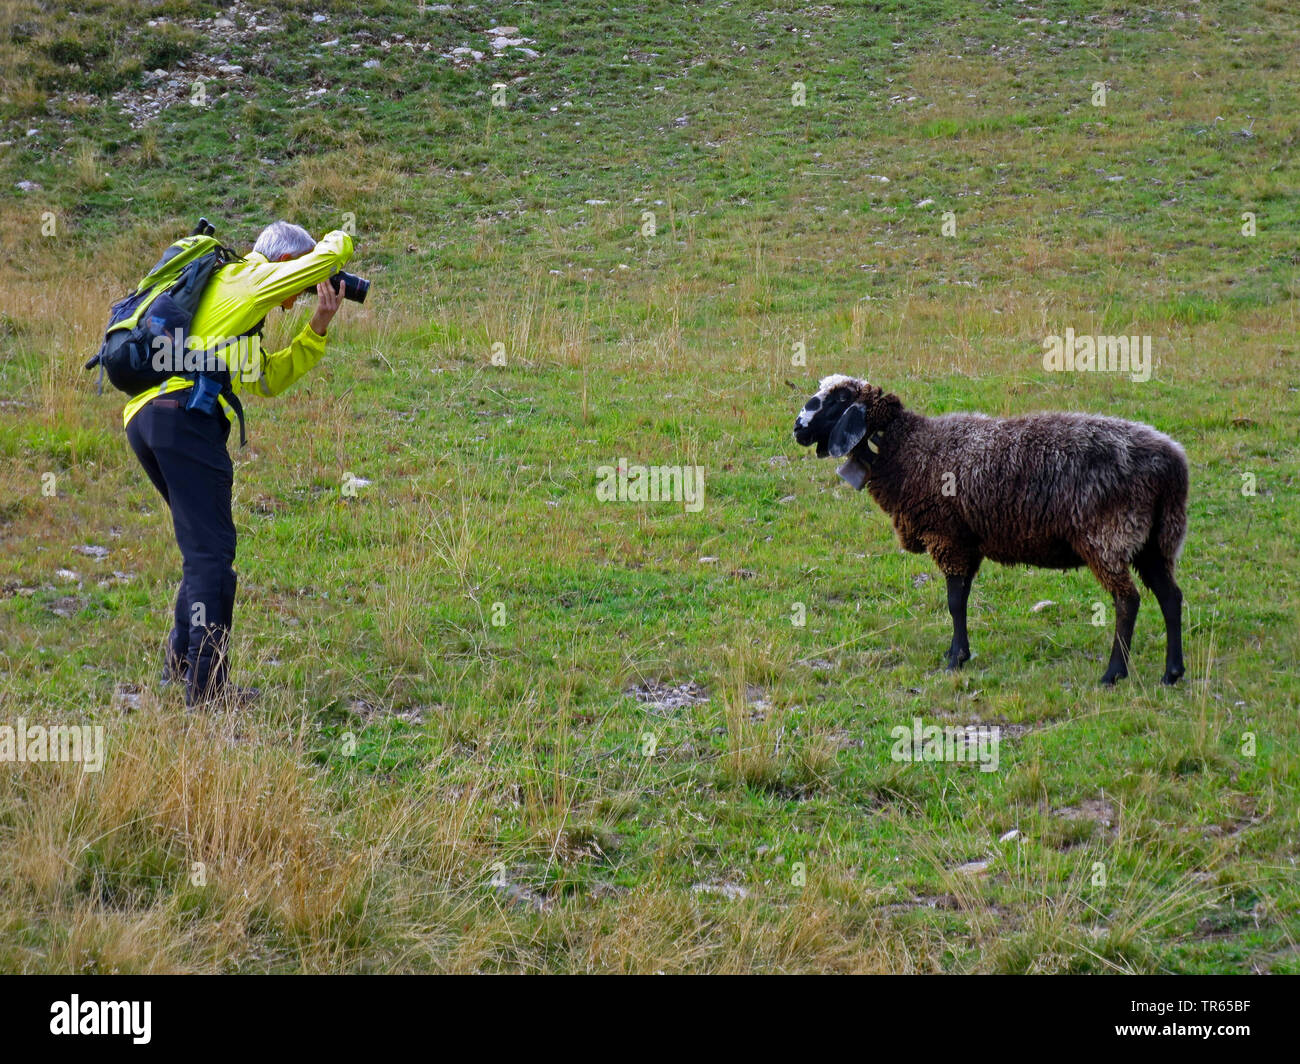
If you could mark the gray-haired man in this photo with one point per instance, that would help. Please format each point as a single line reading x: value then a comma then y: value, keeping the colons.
x: 184, y: 451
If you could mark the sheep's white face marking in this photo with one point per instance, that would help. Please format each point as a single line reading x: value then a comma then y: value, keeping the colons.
x: 820, y: 413
x: 808, y: 412
x: 834, y: 381
x: 824, y: 388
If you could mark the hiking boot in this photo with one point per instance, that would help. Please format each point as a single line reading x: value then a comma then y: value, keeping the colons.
x: 231, y: 697
x: 173, y: 671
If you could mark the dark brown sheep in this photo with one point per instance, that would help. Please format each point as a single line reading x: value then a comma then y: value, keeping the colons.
x: 1057, y: 490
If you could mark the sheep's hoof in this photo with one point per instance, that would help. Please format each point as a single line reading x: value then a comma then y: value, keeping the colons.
x: 1108, y: 680
x: 1171, y: 676
x: 957, y: 660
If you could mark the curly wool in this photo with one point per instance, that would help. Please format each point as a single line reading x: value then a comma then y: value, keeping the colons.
x: 1057, y: 490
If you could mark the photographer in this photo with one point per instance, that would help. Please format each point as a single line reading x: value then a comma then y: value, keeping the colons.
x: 184, y: 450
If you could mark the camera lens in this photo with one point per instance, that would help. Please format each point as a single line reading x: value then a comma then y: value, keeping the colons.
x: 354, y: 288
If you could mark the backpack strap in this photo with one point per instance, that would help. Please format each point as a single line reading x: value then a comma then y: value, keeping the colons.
x: 229, y: 393
x: 223, y: 378
x: 238, y: 408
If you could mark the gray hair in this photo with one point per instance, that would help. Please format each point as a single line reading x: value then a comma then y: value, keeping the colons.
x: 283, y: 238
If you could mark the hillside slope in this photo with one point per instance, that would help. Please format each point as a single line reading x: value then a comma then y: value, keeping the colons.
x: 508, y: 726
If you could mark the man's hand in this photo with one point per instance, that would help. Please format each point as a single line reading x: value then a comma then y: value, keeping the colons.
x: 328, y: 301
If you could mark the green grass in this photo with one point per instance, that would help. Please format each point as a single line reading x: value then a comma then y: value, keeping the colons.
x: 409, y: 753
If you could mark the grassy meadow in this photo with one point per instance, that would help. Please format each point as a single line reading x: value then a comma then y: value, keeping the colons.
x: 509, y: 727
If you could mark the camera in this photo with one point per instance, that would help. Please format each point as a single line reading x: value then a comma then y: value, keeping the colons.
x: 354, y: 287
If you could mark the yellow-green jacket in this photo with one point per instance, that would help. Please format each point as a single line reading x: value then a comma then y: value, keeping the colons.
x: 241, y: 295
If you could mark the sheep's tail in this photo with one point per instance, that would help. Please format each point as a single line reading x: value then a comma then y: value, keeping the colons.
x: 1169, y: 528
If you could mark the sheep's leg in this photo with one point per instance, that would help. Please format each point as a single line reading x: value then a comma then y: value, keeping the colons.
x: 1114, y: 576
x: 1157, y: 574
x: 1126, y: 611
x: 959, y: 562
x: 958, y: 593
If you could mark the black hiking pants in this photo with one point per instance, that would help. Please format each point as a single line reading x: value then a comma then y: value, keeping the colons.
x: 184, y: 453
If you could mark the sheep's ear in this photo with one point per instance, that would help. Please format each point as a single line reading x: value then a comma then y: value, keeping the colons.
x: 848, y: 431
